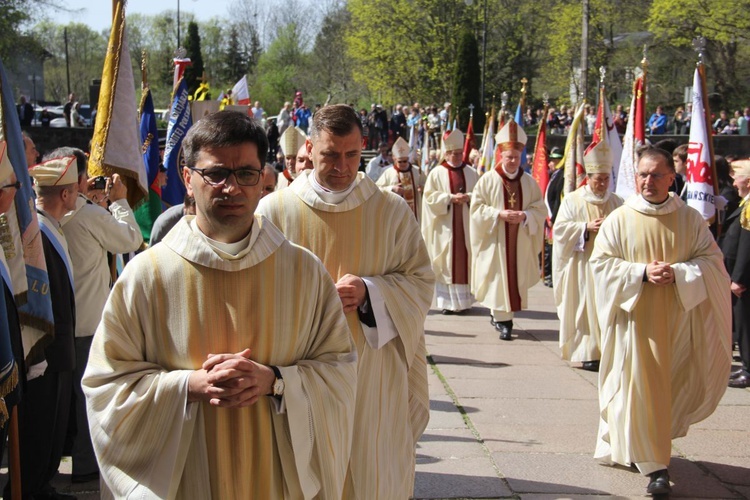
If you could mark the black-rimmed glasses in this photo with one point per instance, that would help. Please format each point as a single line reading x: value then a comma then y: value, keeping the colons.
x: 217, y: 176
x: 16, y: 185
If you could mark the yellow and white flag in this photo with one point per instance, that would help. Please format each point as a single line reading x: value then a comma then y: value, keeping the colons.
x: 115, y: 147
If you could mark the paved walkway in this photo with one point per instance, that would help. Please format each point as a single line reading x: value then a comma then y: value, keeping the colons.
x: 511, y: 420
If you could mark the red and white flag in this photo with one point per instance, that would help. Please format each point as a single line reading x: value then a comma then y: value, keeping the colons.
x: 700, y: 160
x: 635, y: 134
x: 240, y: 93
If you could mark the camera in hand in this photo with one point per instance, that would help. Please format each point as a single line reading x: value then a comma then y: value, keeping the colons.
x: 100, y: 182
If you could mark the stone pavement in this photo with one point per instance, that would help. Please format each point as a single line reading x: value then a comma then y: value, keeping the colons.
x: 512, y: 420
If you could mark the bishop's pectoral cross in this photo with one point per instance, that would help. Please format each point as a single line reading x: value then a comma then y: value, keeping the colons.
x: 512, y: 200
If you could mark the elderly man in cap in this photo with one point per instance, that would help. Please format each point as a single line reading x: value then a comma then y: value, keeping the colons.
x: 404, y: 179
x: 507, y: 227
x: 575, y: 230
x: 290, y: 142
x: 445, y: 225
x: 736, y: 248
x: 45, y: 407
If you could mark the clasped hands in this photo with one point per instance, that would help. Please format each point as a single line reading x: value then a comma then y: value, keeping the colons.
x: 660, y: 273
x: 512, y: 216
x: 230, y: 380
x: 460, y: 198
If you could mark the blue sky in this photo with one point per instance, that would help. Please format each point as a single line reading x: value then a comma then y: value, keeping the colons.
x: 97, y: 13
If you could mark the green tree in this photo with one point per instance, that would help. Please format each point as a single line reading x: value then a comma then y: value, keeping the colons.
x: 405, y: 50
x: 282, y: 69
x: 194, y: 72
x: 235, y: 58
x: 334, y: 66
x: 86, y: 50
x: 726, y: 27
x: 467, y: 81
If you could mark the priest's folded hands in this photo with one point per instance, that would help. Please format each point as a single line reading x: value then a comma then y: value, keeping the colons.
x: 512, y: 216
x: 660, y: 273
x: 230, y: 380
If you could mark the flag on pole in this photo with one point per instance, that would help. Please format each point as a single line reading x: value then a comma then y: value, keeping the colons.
x: 634, y: 137
x: 488, y: 151
x: 147, y: 212
x: 701, y: 176
x: 604, y: 130
x: 426, y: 151
x: 519, y: 121
x: 115, y: 145
x: 21, y: 239
x: 240, y: 92
x: 540, y: 169
x: 469, y: 142
x: 575, y: 173
x: 180, y: 121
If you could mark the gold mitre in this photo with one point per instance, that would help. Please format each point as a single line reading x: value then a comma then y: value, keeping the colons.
x: 511, y: 136
x: 741, y: 168
x: 454, y: 141
x: 6, y: 168
x: 291, y: 140
x: 56, y: 172
x: 598, y: 160
x: 400, y: 148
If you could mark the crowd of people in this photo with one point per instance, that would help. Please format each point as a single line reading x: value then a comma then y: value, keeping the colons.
x: 277, y: 317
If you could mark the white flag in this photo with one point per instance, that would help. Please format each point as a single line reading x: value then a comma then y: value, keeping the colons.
x: 625, y: 176
x: 700, y: 184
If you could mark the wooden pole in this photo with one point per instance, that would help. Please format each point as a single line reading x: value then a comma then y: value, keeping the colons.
x: 14, y: 456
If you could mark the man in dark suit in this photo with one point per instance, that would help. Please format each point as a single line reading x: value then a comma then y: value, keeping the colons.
x: 25, y: 112
x: 736, y: 247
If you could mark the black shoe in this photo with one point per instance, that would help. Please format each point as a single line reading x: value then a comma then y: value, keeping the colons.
x: 505, y: 328
x: 592, y: 366
x: 740, y: 382
x: 49, y: 493
x: 737, y: 373
x: 448, y: 312
x: 659, y: 483
x: 84, y: 478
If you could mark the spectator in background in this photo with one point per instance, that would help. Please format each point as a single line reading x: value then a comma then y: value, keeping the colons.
x: 68, y: 107
x: 688, y: 116
x: 25, y: 112
x: 743, y: 121
x: 75, y: 116
x: 270, y: 178
x: 678, y: 121
x: 553, y: 121
x: 398, y: 123
x: 302, y: 117
x: 621, y: 119
x: 731, y: 128
x: 365, y: 127
x: 171, y: 216
x: 272, y: 133
x: 657, y: 124
x: 257, y: 111
x: 721, y: 122
x: 589, y: 118
x: 45, y: 118
x: 284, y: 119
x: 679, y: 155
x: 726, y: 188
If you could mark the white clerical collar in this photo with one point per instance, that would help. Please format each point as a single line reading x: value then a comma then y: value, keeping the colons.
x: 657, y: 206
x: 328, y: 196
x: 229, y: 251
x: 591, y: 197
x: 513, y: 175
